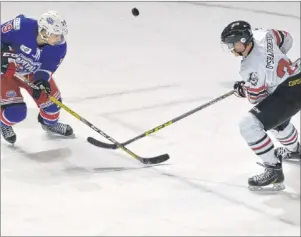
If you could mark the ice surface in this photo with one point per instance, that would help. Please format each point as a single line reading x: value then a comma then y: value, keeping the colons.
x: 126, y: 75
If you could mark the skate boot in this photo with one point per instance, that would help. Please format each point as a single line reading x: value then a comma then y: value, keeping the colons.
x: 272, y: 176
x: 285, y: 154
x: 8, y: 134
x: 58, y: 128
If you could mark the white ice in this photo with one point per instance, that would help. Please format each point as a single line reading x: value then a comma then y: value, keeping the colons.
x: 126, y: 75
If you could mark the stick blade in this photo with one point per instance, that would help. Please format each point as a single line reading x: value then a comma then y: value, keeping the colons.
x: 98, y: 143
x: 147, y: 161
x: 155, y: 160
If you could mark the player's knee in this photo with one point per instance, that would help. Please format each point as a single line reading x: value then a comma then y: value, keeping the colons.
x: 13, y: 113
x: 250, y: 124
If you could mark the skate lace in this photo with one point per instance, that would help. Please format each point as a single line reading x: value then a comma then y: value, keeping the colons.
x: 265, y: 175
x: 7, y: 131
x: 60, y: 127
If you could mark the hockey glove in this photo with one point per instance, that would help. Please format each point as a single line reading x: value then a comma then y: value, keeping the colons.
x: 8, y: 64
x: 43, y: 85
x: 240, y: 90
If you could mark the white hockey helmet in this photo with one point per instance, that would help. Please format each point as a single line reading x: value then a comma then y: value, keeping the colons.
x: 52, y: 23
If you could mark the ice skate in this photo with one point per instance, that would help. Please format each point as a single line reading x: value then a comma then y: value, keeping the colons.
x: 285, y: 154
x: 8, y: 134
x: 58, y: 128
x: 271, y: 180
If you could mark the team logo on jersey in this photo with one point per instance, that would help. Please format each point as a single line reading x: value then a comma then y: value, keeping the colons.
x: 253, y: 78
x: 11, y: 94
x: 25, y: 49
x: 26, y: 65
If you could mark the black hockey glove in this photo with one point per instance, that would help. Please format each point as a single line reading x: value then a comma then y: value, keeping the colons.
x: 43, y: 85
x: 239, y: 88
x: 8, y: 64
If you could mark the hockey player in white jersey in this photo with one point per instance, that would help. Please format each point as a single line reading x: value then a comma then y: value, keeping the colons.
x: 273, y: 84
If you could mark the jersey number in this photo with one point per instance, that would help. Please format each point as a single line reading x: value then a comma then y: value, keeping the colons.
x: 7, y: 27
x: 283, y: 67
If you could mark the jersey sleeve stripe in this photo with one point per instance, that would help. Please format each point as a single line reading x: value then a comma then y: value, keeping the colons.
x: 276, y: 33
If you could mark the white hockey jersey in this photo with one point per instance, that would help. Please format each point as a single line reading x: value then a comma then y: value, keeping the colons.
x: 267, y: 65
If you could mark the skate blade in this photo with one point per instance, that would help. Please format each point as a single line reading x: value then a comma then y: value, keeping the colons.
x: 293, y: 158
x: 58, y: 136
x: 269, y: 188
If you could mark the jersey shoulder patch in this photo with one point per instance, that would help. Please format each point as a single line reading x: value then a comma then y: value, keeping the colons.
x: 14, y: 24
x: 7, y: 27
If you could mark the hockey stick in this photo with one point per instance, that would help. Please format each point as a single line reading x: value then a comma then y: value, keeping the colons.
x: 98, y: 143
x: 151, y: 160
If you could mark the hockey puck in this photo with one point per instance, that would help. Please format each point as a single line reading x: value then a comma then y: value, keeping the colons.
x: 135, y: 12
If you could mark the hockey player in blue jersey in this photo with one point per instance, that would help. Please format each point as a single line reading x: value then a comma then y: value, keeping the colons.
x: 33, y: 49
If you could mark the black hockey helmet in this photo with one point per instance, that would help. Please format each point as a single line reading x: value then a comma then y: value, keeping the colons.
x: 237, y: 31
